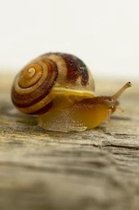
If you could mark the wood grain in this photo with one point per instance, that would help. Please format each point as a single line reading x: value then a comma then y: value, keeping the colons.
x: 92, y: 170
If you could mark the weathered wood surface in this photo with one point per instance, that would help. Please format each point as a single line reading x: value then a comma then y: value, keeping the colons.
x: 92, y: 170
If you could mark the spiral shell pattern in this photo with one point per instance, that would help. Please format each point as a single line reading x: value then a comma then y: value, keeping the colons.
x: 31, y: 91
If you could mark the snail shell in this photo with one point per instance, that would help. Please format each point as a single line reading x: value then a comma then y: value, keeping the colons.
x: 49, y: 76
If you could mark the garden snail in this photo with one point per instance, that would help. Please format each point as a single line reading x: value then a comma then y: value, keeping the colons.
x: 59, y: 89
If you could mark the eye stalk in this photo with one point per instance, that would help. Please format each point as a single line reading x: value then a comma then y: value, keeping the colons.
x: 119, y: 92
x: 112, y: 101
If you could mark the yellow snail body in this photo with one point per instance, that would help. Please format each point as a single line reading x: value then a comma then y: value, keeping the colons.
x: 59, y: 89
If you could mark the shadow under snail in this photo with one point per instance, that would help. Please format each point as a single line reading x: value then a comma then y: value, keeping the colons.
x: 59, y: 89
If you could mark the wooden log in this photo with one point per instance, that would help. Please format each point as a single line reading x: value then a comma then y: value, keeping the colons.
x: 92, y: 170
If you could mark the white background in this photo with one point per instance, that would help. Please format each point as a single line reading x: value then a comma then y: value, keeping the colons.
x: 104, y: 33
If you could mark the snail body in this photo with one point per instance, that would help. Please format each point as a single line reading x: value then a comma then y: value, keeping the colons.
x: 59, y: 89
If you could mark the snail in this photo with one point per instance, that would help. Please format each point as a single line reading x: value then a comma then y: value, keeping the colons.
x: 60, y: 90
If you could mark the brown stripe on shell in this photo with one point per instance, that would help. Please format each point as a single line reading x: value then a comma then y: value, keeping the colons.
x: 83, y: 71
x: 72, y: 69
x: 25, y: 100
x: 42, y: 110
x: 76, y: 68
x: 61, y: 65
